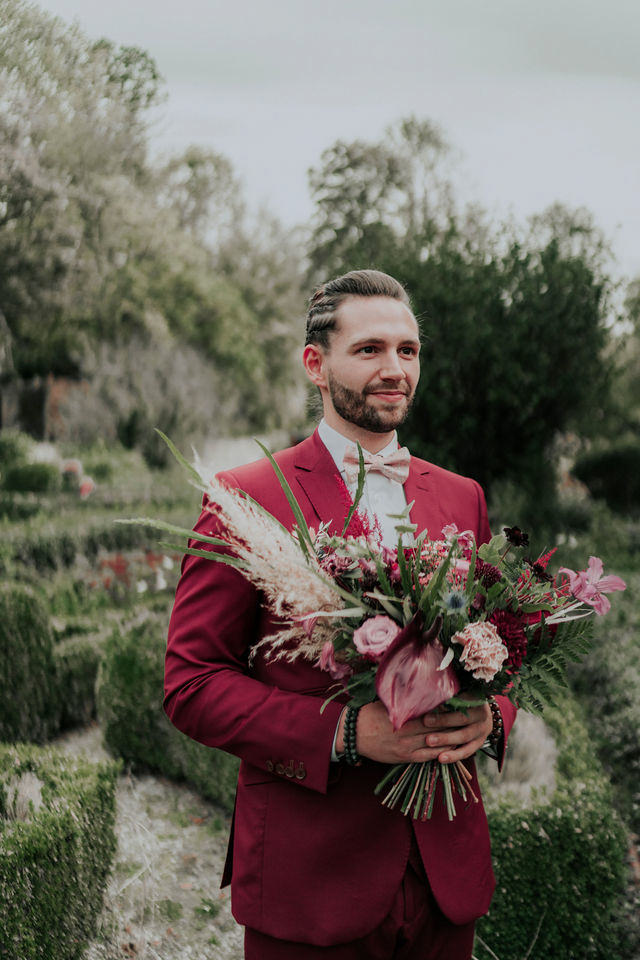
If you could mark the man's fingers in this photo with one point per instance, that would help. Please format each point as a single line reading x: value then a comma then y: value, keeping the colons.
x: 460, y: 753
x: 444, y: 738
x: 455, y: 719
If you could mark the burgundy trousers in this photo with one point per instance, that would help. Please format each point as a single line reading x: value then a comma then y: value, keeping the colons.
x: 414, y: 929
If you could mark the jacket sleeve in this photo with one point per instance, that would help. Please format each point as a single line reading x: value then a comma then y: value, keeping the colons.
x: 209, y: 693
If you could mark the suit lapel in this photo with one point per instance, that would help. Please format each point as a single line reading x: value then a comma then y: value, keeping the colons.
x: 426, y: 511
x: 317, y: 474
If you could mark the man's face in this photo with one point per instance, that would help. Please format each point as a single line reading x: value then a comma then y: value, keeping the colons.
x: 372, y: 364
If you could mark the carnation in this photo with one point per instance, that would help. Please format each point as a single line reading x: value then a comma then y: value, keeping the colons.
x: 484, y: 652
x: 375, y: 636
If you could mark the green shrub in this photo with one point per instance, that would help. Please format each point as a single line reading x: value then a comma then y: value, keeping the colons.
x: 613, y: 474
x: 14, y: 448
x: 100, y: 469
x: 608, y: 684
x: 559, y: 862
x: 130, y: 690
x: 56, y: 851
x: 76, y: 665
x: 50, y: 686
x: 34, y: 477
x: 48, y: 549
x: 14, y: 506
x: 29, y: 708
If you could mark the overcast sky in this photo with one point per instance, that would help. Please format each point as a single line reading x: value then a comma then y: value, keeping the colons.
x: 539, y: 97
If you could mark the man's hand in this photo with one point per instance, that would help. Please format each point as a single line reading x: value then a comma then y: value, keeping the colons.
x: 455, y: 735
x: 446, y: 736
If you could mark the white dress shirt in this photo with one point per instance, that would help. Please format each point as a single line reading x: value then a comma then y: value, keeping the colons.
x: 381, y: 496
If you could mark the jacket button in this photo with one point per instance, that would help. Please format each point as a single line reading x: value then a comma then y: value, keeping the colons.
x: 269, y: 766
x: 280, y: 768
x: 300, y: 772
x: 289, y: 770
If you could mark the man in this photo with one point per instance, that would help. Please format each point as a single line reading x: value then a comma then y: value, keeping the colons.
x: 318, y: 867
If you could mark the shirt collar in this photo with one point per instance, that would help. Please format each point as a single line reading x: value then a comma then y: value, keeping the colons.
x: 337, y: 444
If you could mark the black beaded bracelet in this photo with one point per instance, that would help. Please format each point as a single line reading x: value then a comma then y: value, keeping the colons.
x: 497, y: 729
x: 351, y: 754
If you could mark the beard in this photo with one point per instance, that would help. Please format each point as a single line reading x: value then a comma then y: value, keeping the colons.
x: 353, y: 407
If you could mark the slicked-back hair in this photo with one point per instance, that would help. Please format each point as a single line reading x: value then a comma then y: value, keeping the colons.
x: 325, y: 302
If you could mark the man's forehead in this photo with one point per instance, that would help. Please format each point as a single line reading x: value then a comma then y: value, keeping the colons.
x: 377, y: 316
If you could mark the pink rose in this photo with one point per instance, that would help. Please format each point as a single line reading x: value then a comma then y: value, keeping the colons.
x: 375, y: 636
x: 327, y: 661
x: 484, y: 652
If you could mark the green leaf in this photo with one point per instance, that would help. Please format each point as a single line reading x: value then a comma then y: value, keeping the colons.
x: 492, y: 552
x: 304, y: 536
x: 210, y: 555
x: 172, y: 528
x: 191, y: 470
x: 359, y: 490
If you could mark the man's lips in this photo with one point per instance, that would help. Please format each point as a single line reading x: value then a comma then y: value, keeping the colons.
x: 389, y: 394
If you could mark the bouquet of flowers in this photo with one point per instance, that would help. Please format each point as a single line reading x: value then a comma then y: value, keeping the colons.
x: 434, y: 623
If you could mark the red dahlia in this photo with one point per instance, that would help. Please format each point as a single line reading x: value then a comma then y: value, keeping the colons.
x: 512, y: 633
x: 486, y: 573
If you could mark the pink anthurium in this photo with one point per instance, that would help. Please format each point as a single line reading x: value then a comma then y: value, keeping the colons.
x: 590, y: 586
x: 409, y: 681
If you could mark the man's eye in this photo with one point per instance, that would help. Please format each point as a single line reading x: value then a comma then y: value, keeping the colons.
x: 369, y: 349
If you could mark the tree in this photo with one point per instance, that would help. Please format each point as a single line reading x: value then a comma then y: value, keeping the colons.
x: 101, y: 248
x: 514, y: 321
x: 368, y: 196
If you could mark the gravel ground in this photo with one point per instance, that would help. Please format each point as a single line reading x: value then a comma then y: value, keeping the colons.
x: 163, y: 901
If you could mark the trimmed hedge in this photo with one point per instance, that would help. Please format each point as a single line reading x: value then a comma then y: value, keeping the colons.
x: 559, y: 862
x: 50, y: 686
x: 129, y: 694
x: 608, y: 683
x: 33, y: 477
x: 48, y: 549
x: 613, y: 474
x: 55, y: 853
x: 76, y: 665
x: 18, y: 506
x: 15, y: 448
x: 29, y: 706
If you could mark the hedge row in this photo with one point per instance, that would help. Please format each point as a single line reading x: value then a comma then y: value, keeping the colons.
x: 613, y: 474
x: 559, y: 862
x: 130, y: 691
x: 52, y: 686
x: 49, y: 549
x: 608, y: 683
x: 57, y: 843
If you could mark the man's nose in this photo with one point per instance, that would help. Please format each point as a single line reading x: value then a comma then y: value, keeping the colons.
x: 391, y: 368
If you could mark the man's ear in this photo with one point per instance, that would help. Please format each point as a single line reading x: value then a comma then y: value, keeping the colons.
x: 313, y: 358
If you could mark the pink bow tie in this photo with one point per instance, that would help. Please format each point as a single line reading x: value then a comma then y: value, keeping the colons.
x: 394, y: 465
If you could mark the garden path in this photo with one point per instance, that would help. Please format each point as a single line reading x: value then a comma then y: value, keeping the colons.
x: 163, y: 900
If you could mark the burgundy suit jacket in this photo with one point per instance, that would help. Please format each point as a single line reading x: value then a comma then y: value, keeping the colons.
x: 314, y: 856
